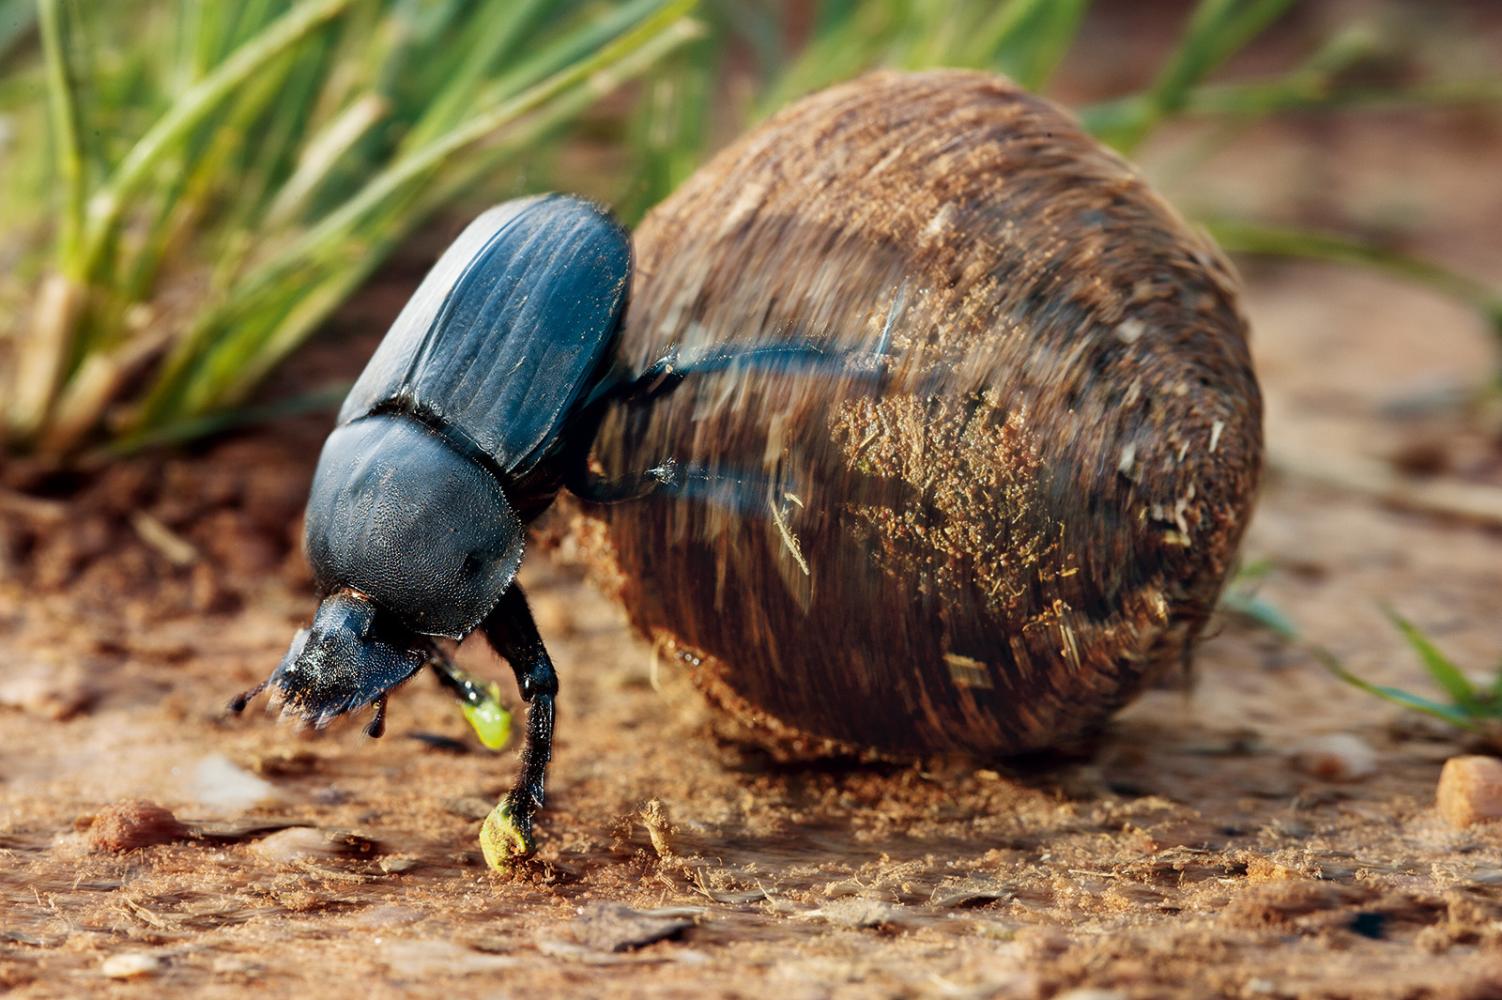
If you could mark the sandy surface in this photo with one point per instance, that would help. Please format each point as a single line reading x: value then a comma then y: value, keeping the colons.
x: 1186, y: 856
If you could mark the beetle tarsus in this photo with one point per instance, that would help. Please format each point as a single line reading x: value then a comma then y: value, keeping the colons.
x: 513, y: 634
x: 377, y: 727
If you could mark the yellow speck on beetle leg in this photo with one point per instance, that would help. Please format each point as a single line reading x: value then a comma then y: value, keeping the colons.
x: 489, y: 719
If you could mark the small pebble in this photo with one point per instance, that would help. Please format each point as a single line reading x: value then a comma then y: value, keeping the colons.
x: 1470, y: 790
x: 125, y: 826
x: 132, y: 965
x: 1337, y: 757
x: 300, y: 843
x: 305, y: 843
x: 612, y: 927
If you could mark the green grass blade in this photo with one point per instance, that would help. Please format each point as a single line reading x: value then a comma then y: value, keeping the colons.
x: 1261, y: 613
x: 191, y: 109
x: 1241, y: 236
x: 1449, y: 713
x: 504, y: 25
x: 322, y: 400
x: 1217, y: 30
x: 210, y: 364
x: 62, y: 102
x: 42, y: 357
x: 414, y: 165
x: 1036, y: 44
x: 1444, y: 672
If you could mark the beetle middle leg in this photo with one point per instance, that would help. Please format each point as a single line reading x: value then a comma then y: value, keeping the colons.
x: 511, y: 632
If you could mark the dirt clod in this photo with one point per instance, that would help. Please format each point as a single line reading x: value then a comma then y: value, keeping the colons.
x: 125, y: 826
x: 1470, y: 790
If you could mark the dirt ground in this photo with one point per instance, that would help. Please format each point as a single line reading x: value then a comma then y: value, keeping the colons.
x: 1186, y: 856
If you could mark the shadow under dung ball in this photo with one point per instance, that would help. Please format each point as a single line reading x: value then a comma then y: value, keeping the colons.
x: 1012, y: 503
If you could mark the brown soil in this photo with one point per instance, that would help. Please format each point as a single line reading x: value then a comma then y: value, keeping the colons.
x: 1185, y: 856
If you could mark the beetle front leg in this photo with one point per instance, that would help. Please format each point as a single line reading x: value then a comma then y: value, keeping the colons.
x: 795, y: 353
x: 511, y: 632
x: 741, y: 492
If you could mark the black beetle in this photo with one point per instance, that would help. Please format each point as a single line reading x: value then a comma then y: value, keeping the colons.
x: 480, y: 404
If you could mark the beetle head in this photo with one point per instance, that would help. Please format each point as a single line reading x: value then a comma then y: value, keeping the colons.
x: 349, y: 657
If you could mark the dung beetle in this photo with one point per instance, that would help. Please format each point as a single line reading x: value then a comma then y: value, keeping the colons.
x: 478, y: 407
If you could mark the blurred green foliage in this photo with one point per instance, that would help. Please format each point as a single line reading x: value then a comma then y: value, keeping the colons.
x: 219, y: 177
x: 223, y: 175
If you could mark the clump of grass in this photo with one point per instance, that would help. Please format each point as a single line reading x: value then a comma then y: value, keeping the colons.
x: 225, y: 175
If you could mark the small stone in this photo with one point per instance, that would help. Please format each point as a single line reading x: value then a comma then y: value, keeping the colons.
x: 612, y: 927
x: 1339, y: 757
x: 132, y: 965
x: 304, y: 843
x: 1470, y: 790
x: 125, y: 826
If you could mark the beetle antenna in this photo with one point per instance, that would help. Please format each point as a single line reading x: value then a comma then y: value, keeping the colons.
x: 238, y: 702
